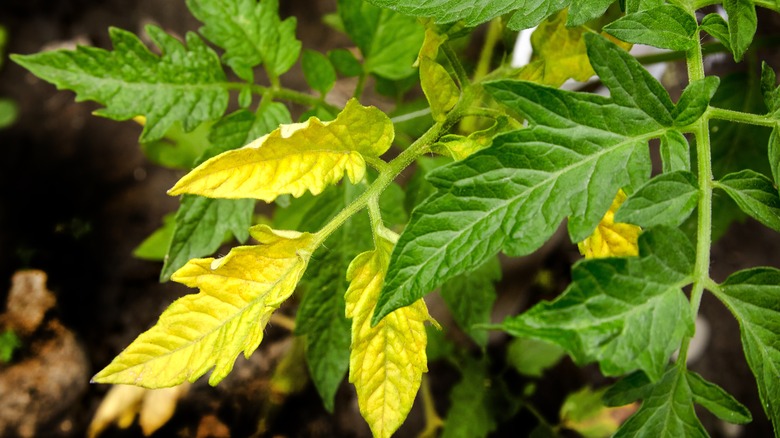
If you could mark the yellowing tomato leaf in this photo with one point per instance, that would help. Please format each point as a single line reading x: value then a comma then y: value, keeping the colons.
x: 208, y: 330
x: 295, y: 158
x: 611, y: 239
x: 437, y: 84
x: 386, y: 361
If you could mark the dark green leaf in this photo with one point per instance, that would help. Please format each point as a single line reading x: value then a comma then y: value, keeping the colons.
x: 389, y: 41
x: 675, y: 152
x: 345, y: 62
x: 755, y: 194
x: 250, y: 32
x: 155, y: 247
x: 753, y: 296
x: 471, y: 413
x: 717, y: 401
x: 578, y: 148
x: 742, y: 25
x: 633, y: 387
x: 470, y: 298
x: 716, y: 26
x: 694, y: 100
x: 582, y: 11
x: 666, y: 412
x: 530, y: 357
x: 770, y: 90
x: 318, y: 71
x: 185, y: 84
x: 626, y: 313
x: 667, y: 27
x: 201, y: 225
x: 438, y: 347
x: 667, y: 199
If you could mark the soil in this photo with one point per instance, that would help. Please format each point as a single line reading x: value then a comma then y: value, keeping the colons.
x: 77, y: 196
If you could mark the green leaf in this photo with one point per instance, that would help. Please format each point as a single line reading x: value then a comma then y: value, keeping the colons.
x: 9, y: 111
x: 641, y: 5
x: 250, y: 32
x: 694, y: 100
x: 582, y: 11
x: 201, y: 224
x: 755, y: 194
x: 667, y: 199
x: 770, y: 90
x: 753, y: 296
x: 419, y: 188
x: 318, y: 71
x: 179, y: 149
x: 716, y: 26
x: 667, y: 27
x: 742, y: 25
x: 578, y: 148
x: 345, y: 62
x: 531, y: 357
x: 626, y: 313
x: 471, y: 414
x: 584, y: 412
x: 389, y: 41
x: 667, y: 410
x: 633, y: 387
x: 241, y: 127
x: 155, y: 247
x: 774, y: 153
x: 675, y: 152
x: 470, y: 298
x: 533, y: 12
x: 717, y: 401
x: 185, y: 84
x: 9, y: 342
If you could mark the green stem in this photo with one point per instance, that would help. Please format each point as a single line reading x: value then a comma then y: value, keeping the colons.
x: 361, y: 83
x: 489, y: 46
x: 740, y: 117
x: 701, y: 269
x: 432, y: 420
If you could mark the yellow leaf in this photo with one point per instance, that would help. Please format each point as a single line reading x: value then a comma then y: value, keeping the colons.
x: 120, y: 405
x: 386, y: 361
x: 437, y: 84
x: 295, y: 158
x: 459, y: 147
x: 158, y: 407
x: 611, y: 239
x: 208, y: 330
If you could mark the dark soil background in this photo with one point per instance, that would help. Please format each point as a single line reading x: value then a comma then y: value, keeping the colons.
x: 77, y: 195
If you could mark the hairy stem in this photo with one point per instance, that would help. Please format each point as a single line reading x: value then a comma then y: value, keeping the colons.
x: 739, y: 117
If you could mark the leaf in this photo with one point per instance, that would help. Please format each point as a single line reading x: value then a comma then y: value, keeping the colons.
x: 610, y: 238
x: 675, y: 152
x: 511, y: 196
x: 208, y: 330
x: 241, y: 127
x: 155, y: 247
x: 584, y: 412
x: 185, y: 84
x: 667, y: 410
x: 459, y: 147
x: 755, y: 194
x: 9, y: 112
x: 389, y: 41
x: 470, y: 298
x: 716, y: 26
x: 386, y: 361
x: 633, y: 387
x: 437, y: 84
x: 667, y: 199
x: 753, y: 296
x: 9, y: 342
x: 770, y: 90
x: 177, y: 149
x: 295, y: 158
x: 345, y: 62
x: 694, y: 100
x: 666, y: 26
x: 123, y: 402
x: 626, y: 313
x: 742, y: 25
x: 717, y: 401
x: 418, y: 188
x: 582, y: 11
x: 250, y: 32
x: 471, y: 414
x: 318, y: 71
x: 531, y: 357
x: 774, y: 153
x: 534, y: 12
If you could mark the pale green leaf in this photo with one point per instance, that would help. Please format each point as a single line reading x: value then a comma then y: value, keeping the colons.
x: 667, y: 199
x: 717, y: 401
x: 716, y: 26
x: 185, y: 84
x: 675, y: 152
x: 667, y: 27
x: 155, y: 247
x: 295, y: 158
x: 512, y: 196
x: 470, y: 298
x: 626, y: 313
x: 345, y: 62
x: 584, y: 412
x: 178, y: 149
x: 531, y: 357
x: 770, y: 90
x: 9, y: 342
x: 437, y: 84
x: 753, y: 296
x: 694, y: 100
x: 9, y: 111
x: 742, y: 25
x: 208, y: 330
x: 250, y: 32
x: 318, y: 71
x: 755, y: 194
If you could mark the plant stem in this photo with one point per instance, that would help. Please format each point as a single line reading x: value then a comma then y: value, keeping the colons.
x: 488, y: 47
x: 361, y: 83
x: 701, y: 270
x: 460, y: 73
x: 739, y: 117
x: 432, y: 420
